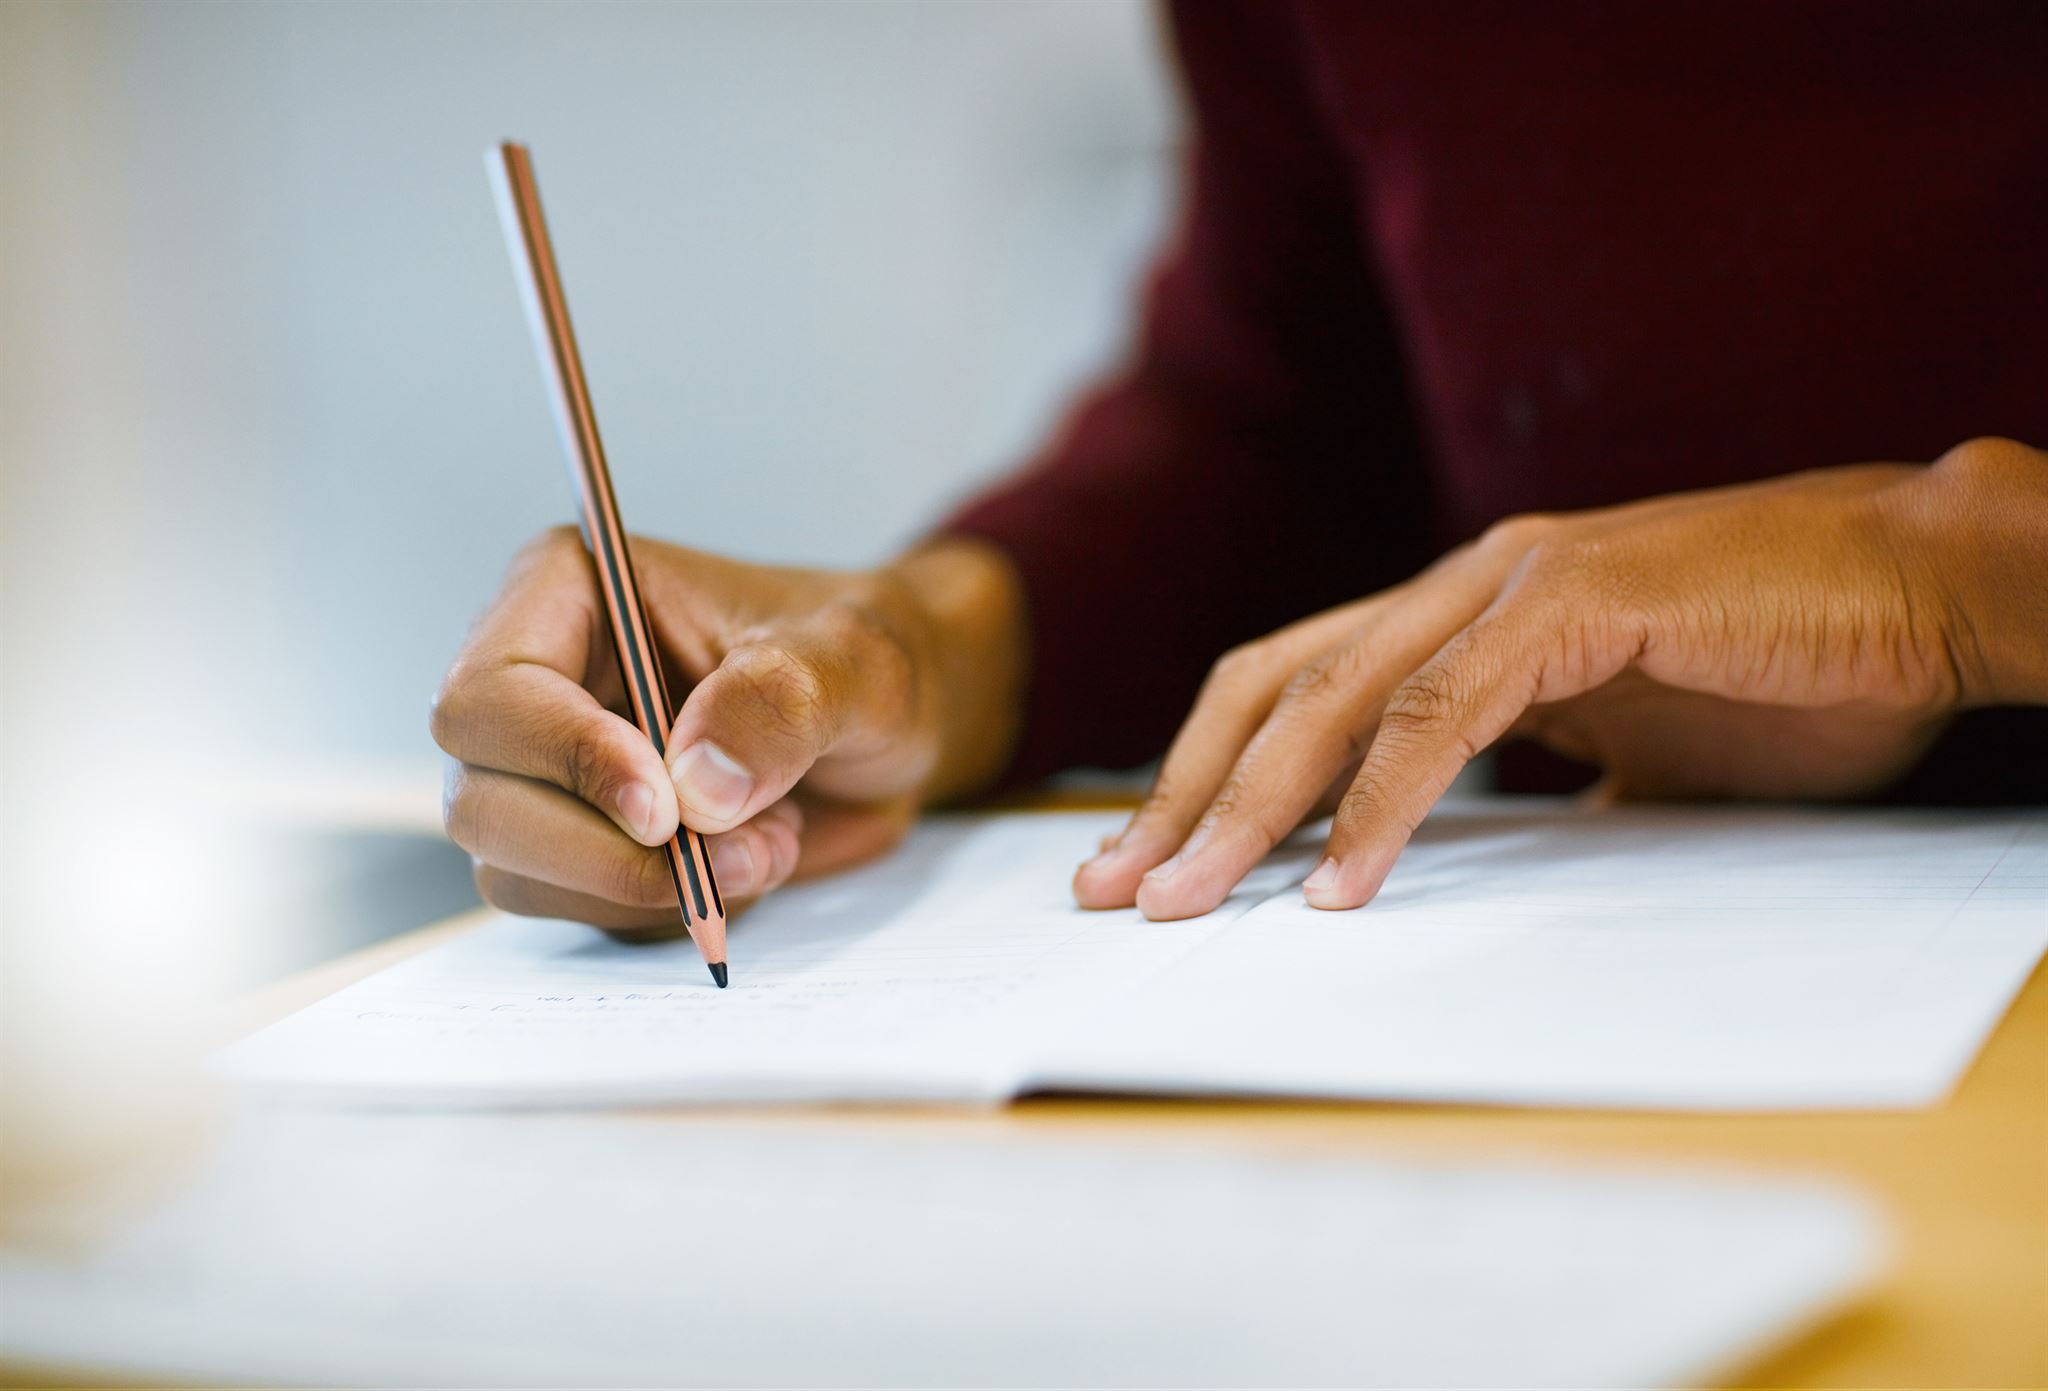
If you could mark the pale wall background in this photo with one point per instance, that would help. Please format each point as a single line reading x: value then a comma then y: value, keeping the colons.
x: 266, y: 381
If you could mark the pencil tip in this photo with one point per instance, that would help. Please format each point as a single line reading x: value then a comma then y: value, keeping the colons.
x: 718, y: 973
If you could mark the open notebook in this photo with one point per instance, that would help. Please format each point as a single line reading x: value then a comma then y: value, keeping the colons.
x: 1521, y: 953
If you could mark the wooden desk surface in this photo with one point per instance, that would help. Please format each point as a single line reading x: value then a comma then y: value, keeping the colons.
x: 1964, y: 1184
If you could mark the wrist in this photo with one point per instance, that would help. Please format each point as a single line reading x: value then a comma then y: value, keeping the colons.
x: 1979, y: 519
x: 970, y: 606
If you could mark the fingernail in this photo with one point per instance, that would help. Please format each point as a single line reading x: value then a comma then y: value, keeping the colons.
x: 710, y: 783
x: 733, y: 863
x: 1323, y: 880
x: 1167, y: 870
x: 636, y: 806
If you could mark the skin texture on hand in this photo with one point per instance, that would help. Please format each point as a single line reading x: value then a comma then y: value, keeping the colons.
x: 823, y: 709
x: 1805, y: 637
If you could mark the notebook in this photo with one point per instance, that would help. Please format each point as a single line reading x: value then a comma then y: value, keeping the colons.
x: 1520, y: 954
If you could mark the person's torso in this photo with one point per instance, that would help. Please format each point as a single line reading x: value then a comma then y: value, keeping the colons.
x: 1633, y: 248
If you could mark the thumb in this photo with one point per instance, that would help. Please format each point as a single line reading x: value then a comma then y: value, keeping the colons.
x: 776, y: 705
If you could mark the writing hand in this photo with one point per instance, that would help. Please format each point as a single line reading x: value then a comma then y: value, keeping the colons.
x: 825, y: 708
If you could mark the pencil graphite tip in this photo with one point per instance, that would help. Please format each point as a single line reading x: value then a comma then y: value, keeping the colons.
x: 718, y: 973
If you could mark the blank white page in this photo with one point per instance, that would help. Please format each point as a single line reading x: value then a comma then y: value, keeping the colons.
x: 481, y: 1250
x: 1656, y: 957
x: 1520, y: 953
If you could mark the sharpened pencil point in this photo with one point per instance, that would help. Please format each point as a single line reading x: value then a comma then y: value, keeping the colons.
x: 717, y: 972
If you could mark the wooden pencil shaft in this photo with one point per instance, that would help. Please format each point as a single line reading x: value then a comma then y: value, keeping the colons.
x: 554, y: 338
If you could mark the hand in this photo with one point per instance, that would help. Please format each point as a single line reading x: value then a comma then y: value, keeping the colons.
x: 826, y: 708
x: 1804, y: 637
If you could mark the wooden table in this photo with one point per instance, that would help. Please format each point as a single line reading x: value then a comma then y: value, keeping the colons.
x: 1965, y: 1184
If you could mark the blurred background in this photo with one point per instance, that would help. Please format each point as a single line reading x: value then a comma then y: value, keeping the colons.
x: 831, y: 263
x: 270, y: 421
x: 271, y: 426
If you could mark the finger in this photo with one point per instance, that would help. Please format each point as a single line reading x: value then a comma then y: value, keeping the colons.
x: 548, y: 610
x: 1321, y: 722
x: 769, y: 840
x: 1315, y: 729
x: 531, y: 721
x: 1332, y: 795
x: 1422, y: 611
x: 510, y: 892
x: 1233, y: 699
x: 528, y: 828
x: 533, y: 828
x: 1437, y: 721
x: 840, y: 835
x: 1236, y: 697
x: 839, y: 683
x: 516, y: 699
x: 761, y: 855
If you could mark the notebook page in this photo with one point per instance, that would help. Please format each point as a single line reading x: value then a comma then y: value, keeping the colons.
x: 925, y: 976
x: 1519, y: 954
x: 1656, y: 957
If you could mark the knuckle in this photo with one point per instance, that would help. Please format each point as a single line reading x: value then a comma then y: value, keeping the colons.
x: 1518, y: 534
x: 1988, y: 458
x: 1584, y: 564
x: 867, y: 596
x: 1240, y: 667
x: 848, y: 625
x: 459, y: 811
x: 1358, y: 803
x: 1311, y: 685
x: 785, y: 683
x: 587, y: 763
x: 1169, y: 810
x: 1240, y: 813
x: 550, y: 558
x: 1227, y: 807
x: 637, y: 880
x: 1364, y: 804
x: 1159, y: 802
x: 1576, y: 587
x: 555, y: 541
x: 449, y: 714
x: 508, y: 893
x: 858, y: 626
x: 1424, y: 702
x: 552, y: 551
x: 1332, y: 675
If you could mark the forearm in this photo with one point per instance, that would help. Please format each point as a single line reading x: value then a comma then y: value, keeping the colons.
x: 1979, y: 523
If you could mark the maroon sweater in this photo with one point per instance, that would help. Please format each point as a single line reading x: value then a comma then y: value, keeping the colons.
x: 1440, y: 263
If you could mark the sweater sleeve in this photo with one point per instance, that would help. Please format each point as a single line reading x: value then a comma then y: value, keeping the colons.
x: 1253, y: 463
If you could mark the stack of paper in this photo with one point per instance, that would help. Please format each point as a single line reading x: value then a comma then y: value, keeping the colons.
x: 582, y: 1250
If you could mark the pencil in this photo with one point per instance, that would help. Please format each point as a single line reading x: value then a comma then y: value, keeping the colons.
x: 547, y: 315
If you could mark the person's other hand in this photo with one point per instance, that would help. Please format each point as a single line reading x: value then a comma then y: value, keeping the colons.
x: 823, y: 708
x: 1804, y: 638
